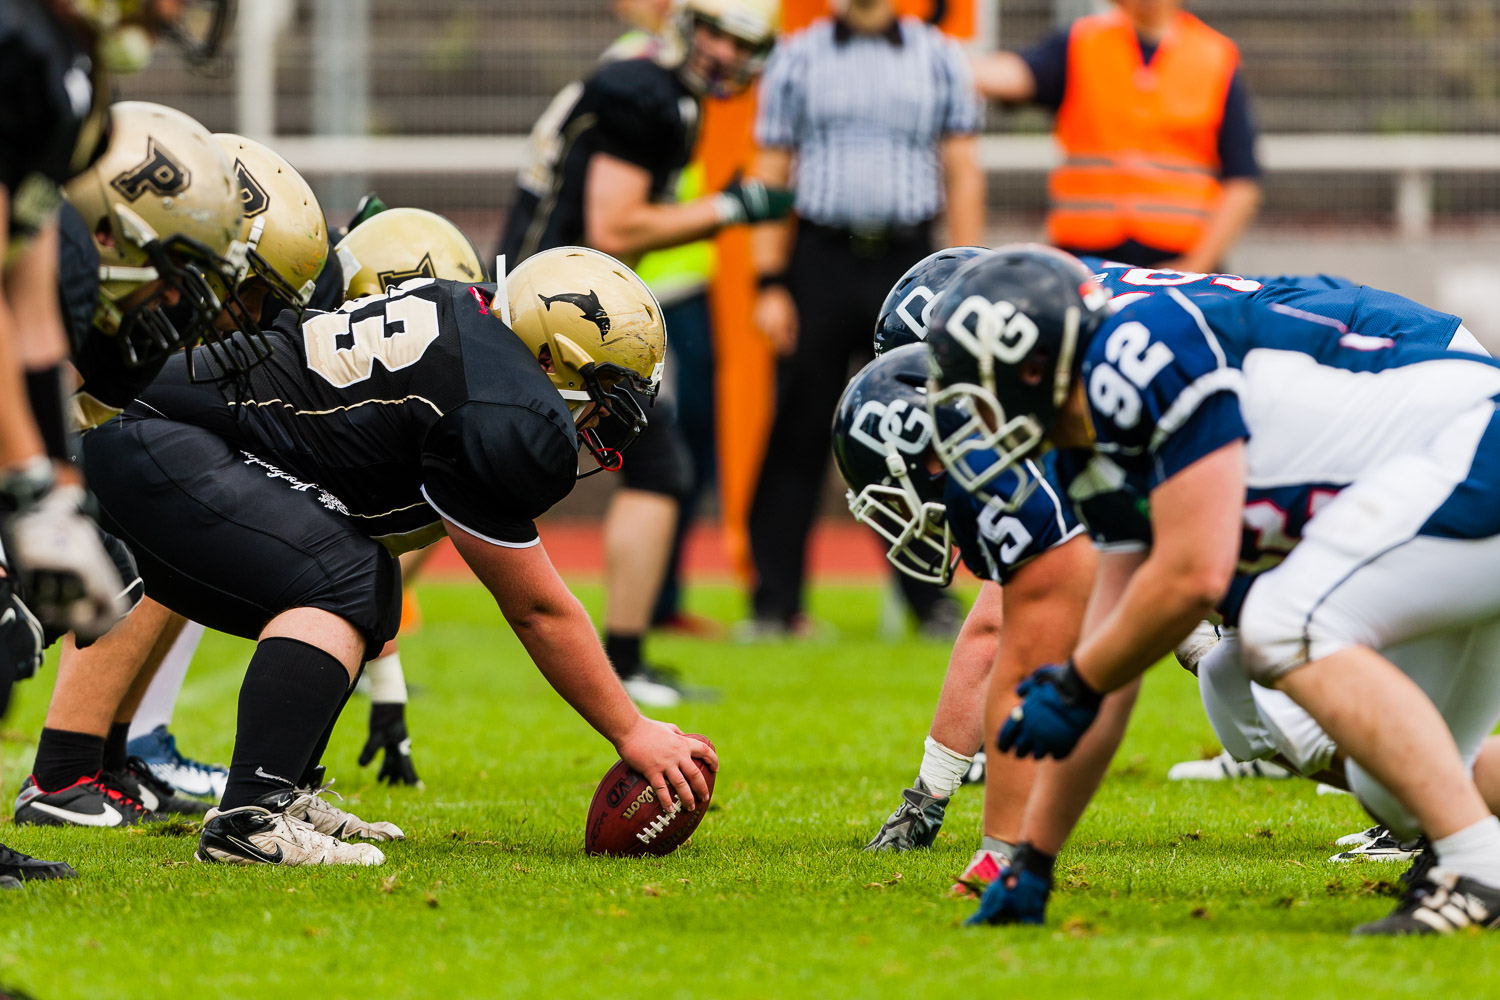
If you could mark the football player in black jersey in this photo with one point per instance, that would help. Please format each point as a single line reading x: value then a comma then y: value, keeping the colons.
x: 134, y: 251
x: 606, y: 155
x: 269, y: 506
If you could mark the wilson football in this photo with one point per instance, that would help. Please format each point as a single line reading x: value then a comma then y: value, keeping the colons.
x: 626, y: 818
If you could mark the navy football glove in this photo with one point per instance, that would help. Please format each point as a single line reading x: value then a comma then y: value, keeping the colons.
x: 1056, y: 709
x: 1019, y: 895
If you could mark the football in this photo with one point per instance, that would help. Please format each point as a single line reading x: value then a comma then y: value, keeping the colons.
x: 626, y: 819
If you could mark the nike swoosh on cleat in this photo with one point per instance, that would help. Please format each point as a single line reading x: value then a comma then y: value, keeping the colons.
x: 262, y: 773
x: 256, y: 853
x: 109, y: 817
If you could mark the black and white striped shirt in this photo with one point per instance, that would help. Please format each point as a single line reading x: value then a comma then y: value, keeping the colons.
x: 865, y: 118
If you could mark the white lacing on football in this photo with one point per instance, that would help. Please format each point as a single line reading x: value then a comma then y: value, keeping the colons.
x: 660, y: 823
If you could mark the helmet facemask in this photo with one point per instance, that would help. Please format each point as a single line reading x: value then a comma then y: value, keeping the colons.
x: 921, y: 542
x: 610, y: 399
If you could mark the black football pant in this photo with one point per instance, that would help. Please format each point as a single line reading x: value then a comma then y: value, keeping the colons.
x: 838, y: 282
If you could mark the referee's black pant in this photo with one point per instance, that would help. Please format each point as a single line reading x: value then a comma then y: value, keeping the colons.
x: 838, y: 281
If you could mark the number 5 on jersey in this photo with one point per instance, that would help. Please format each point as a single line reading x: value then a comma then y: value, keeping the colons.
x: 343, y: 349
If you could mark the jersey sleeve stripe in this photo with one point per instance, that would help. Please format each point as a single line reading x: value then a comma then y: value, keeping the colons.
x: 478, y: 534
x: 1197, y: 314
x: 1189, y: 399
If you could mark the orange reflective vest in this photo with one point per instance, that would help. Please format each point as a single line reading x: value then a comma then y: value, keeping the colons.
x: 1141, y: 141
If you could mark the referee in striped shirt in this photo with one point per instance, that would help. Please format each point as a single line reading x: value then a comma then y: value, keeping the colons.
x: 871, y: 118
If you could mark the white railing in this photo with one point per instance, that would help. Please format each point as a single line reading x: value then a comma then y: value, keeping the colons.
x: 1412, y: 159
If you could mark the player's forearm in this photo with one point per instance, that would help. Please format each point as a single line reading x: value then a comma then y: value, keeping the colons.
x: 1003, y: 76
x: 964, y: 183
x: 1240, y: 199
x: 629, y: 234
x: 1160, y: 606
x: 563, y: 645
x: 1064, y: 788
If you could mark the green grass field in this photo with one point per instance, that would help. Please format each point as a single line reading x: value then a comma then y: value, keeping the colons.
x: 1168, y: 890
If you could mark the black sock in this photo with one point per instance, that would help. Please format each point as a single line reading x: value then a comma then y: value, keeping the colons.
x: 290, y: 692
x: 311, y: 776
x: 114, y: 746
x: 62, y: 757
x: 624, y: 651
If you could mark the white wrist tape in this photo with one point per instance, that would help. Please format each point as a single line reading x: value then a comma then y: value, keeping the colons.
x: 387, y: 681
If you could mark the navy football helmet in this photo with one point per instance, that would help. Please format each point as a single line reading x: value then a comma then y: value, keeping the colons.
x: 903, y: 315
x: 882, y: 437
x: 1005, y: 342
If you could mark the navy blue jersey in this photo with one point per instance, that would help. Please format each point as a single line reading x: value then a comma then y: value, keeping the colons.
x: 993, y: 542
x: 1173, y: 377
x: 1356, y: 307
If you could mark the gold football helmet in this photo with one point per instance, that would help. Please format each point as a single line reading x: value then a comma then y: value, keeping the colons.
x: 164, y: 209
x: 399, y: 244
x: 751, y: 23
x: 285, y: 235
x: 597, y: 330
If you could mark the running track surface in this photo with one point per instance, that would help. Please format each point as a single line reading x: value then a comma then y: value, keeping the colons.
x: 838, y: 549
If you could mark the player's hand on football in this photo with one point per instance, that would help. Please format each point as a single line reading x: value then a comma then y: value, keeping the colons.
x: 67, y: 577
x: 671, y: 762
x: 1057, y: 706
x: 388, y: 733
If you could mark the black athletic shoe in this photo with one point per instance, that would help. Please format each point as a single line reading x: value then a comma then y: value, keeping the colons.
x: 1441, y: 903
x: 159, y: 798
x: 1426, y: 860
x: 86, y: 802
x: 14, y: 864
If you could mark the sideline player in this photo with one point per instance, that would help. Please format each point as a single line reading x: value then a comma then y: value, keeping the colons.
x: 1035, y: 564
x: 606, y: 156
x: 1381, y: 455
x: 372, y: 430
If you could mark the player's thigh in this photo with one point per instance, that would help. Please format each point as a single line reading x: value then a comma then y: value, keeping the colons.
x: 1365, y: 573
x: 230, y: 541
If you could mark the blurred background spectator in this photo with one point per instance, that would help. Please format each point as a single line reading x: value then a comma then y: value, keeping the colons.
x: 871, y: 118
x: 1153, y: 117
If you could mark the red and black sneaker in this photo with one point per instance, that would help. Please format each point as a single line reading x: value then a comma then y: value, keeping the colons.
x: 24, y: 868
x: 86, y: 802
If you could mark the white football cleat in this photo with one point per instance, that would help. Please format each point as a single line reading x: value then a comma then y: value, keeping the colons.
x: 309, y: 805
x: 1383, y: 848
x: 265, y: 834
x: 1225, y: 768
x: 1361, y: 838
x: 652, y: 688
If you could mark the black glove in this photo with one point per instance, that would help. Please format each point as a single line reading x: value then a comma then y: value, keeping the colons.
x: 751, y: 201
x: 388, y: 733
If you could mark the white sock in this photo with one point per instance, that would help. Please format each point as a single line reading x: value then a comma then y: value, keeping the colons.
x: 387, y: 681
x: 160, y: 700
x: 1473, y: 851
x: 942, y: 769
x: 1002, y: 847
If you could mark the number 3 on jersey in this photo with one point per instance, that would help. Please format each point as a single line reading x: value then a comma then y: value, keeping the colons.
x: 343, y: 349
x: 1115, y: 391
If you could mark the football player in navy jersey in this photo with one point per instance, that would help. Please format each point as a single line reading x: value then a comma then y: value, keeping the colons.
x: 1358, y: 477
x: 1036, y: 568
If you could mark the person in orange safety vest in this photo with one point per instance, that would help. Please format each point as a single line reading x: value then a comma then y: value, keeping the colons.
x: 1154, y: 122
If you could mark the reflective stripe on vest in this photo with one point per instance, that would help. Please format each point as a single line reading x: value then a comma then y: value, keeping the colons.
x: 1141, y: 141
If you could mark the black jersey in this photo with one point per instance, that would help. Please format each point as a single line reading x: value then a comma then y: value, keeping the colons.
x: 54, y: 114
x: 632, y: 109
x: 400, y: 408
